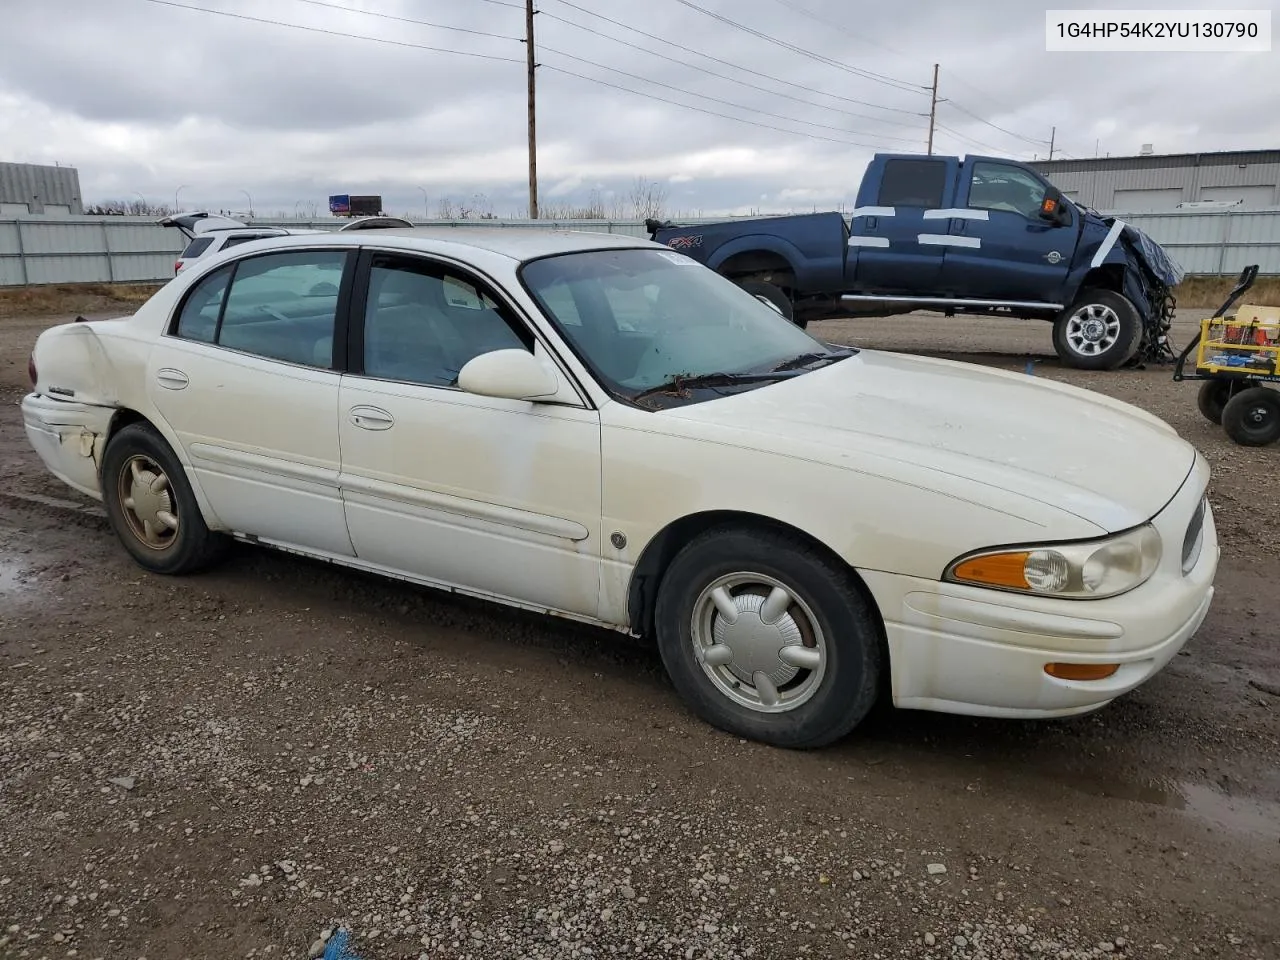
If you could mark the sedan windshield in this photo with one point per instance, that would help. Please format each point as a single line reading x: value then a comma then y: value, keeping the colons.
x: 659, y: 328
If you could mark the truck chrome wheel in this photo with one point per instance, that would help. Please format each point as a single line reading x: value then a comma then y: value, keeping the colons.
x: 758, y: 643
x: 1093, y: 330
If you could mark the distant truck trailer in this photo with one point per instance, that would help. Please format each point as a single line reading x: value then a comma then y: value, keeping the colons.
x: 346, y: 205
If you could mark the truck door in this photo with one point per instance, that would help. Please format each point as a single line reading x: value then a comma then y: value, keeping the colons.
x: 1003, y: 249
x: 892, y: 248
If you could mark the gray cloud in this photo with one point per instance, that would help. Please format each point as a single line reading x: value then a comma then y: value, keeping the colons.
x: 144, y: 97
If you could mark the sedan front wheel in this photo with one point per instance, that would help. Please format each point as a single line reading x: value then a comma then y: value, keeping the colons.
x: 766, y: 638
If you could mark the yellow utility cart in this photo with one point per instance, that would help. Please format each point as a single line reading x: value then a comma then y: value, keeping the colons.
x: 1237, y: 355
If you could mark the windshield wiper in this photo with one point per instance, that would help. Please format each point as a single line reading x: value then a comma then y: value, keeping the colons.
x: 807, y: 358
x: 678, y: 385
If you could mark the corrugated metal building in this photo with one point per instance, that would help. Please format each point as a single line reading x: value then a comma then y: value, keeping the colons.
x: 35, y: 188
x: 1154, y: 182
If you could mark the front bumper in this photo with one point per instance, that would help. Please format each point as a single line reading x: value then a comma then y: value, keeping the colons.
x: 967, y: 650
x: 69, y: 437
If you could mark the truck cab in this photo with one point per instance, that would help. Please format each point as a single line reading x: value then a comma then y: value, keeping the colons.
x: 972, y: 229
x: 976, y: 234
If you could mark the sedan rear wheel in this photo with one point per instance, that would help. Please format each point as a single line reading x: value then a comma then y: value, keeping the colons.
x: 767, y: 638
x: 151, y: 507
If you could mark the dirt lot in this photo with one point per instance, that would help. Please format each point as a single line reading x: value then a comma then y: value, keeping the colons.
x: 228, y: 765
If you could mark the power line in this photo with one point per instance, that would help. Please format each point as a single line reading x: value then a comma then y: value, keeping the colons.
x: 858, y: 36
x: 338, y: 33
x: 1010, y: 133
x: 721, y: 76
x: 713, y: 113
x: 856, y: 71
x: 703, y: 96
x: 570, y: 56
x: 965, y: 138
x: 843, y: 29
x: 421, y: 23
x: 484, y: 56
x: 757, y: 73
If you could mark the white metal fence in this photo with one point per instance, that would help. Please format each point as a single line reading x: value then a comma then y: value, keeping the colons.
x: 47, y: 250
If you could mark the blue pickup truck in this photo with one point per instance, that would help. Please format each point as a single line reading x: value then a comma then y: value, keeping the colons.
x: 983, y: 235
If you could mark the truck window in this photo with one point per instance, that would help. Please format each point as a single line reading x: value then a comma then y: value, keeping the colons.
x: 1000, y: 186
x: 913, y: 183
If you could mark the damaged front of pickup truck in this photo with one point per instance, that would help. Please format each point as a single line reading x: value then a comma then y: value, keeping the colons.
x: 978, y: 235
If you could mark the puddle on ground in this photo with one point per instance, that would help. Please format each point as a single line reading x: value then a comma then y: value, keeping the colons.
x: 14, y: 578
x: 1208, y: 804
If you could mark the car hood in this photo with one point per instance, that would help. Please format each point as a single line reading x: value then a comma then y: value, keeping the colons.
x: 1102, y: 460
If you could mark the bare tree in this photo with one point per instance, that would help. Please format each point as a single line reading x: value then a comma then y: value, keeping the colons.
x: 128, y: 208
x: 648, y: 198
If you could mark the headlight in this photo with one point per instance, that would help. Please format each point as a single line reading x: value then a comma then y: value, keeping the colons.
x: 1074, y: 571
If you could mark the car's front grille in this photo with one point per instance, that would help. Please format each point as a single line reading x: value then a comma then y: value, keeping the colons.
x: 1194, y: 539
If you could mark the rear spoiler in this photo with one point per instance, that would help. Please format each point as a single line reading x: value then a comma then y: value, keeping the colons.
x: 200, y: 222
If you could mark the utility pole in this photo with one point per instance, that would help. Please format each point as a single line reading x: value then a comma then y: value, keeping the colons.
x: 533, y: 120
x: 1053, y: 134
x: 933, y: 108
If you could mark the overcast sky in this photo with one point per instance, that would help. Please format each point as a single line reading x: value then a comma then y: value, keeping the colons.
x: 145, y: 98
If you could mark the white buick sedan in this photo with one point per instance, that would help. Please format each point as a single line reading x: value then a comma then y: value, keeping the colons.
x: 597, y: 427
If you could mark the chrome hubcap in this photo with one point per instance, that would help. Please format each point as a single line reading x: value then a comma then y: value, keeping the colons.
x: 1093, y: 329
x: 758, y: 643
x: 147, y: 499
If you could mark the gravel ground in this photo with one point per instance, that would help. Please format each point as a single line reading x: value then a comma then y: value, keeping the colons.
x: 241, y: 763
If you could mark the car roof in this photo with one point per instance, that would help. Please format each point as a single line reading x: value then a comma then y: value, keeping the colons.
x: 515, y: 243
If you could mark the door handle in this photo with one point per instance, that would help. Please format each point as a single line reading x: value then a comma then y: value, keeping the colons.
x: 171, y: 379
x: 371, y: 418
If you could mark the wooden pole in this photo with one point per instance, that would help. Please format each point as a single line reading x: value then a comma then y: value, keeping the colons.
x: 533, y: 120
x: 933, y: 108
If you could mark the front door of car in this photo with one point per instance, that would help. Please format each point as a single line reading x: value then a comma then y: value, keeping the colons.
x: 1002, y: 248
x: 495, y: 496
x: 245, y: 379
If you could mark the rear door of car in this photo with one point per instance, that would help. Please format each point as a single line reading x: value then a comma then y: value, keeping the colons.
x: 898, y: 231
x: 247, y: 378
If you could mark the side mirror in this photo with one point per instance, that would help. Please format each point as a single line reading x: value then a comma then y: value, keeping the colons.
x: 1051, y: 207
x: 509, y: 374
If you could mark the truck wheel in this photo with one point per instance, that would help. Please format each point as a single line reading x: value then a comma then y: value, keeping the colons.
x: 1214, y: 395
x: 1252, y: 417
x: 1100, y: 331
x: 771, y: 295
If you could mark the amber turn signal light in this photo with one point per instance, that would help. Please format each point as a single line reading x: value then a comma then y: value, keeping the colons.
x: 995, y: 570
x: 1081, y: 671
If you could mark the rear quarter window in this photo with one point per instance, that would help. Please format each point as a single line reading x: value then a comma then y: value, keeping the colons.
x: 913, y: 183
x: 196, y: 247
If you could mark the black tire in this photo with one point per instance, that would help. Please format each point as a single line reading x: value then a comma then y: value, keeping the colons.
x: 1075, y: 346
x: 1214, y: 395
x: 840, y: 692
x: 189, y: 548
x: 1252, y: 417
x: 773, y: 295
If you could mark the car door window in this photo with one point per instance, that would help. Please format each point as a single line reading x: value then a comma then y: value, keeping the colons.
x: 913, y: 183
x: 282, y: 306
x: 999, y: 186
x: 423, y: 322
